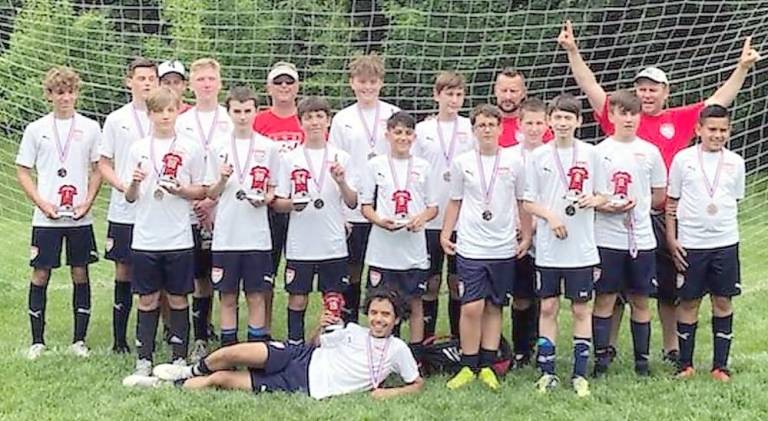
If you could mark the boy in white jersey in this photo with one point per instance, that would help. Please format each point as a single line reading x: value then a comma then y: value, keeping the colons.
x: 62, y: 148
x: 123, y: 127
x: 396, y: 197
x: 486, y: 185
x: 563, y: 182
x: 359, y: 131
x: 525, y: 305
x: 313, y: 187
x: 167, y: 175
x: 706, y: 181
x: 439, y: 140
x: 349, y: 360
x: 203, y: 123
x: 242, y: 172
x: 635, y: 177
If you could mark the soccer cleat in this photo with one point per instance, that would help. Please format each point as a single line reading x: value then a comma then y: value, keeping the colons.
x: 79, y: 349
x: 521, y: 361
x: 121, y: 349
x: 671, y: 357
x: 581, y: 386
x: 642, y: 368
x: 547, y: 382
x: 142, y: 376
x: 612, y: 352
x: 172, y: 372
x: 464, y: 377
x: 35, y: 351
x: 721, y: 375
x: 599, y: 370
x: 685, y: 372
x: 199, y: 350
x: 488, y: 377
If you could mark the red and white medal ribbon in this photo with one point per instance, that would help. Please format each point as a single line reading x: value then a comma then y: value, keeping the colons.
x: 376, y: 372
x: 711, y: 187
x: 152, y: 155
x: 448, y: 152
x: 137, y: 122
x: 487, y: 188
x: 395, y: 179
x: 63, y: 150
x: 317, y: 178
x: 242, y: 171
x: 206, y: 139
x: 371, y: 134
x: 629, y: 222
x: 559, y: 164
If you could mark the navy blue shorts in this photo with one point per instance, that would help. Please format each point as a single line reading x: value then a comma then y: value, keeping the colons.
x: 410, y: 283
x: 286, y: 369
x: 711, y: 271
x: 437, y: 255
x: 171, y: 271
x: 525, y: 278
x: 486, y: 279
x: 118, y: 245
x: 203, y: 260
x: 578, y: 282
x: 619, y: 272
x: 45, y: 251
x: 254, y: 268
x: 666, y: 273
x: 278, y: 228
x: 332, y: 275
x: 357, y: 241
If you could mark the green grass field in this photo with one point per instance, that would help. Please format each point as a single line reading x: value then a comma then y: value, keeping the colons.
x: 60, y: 387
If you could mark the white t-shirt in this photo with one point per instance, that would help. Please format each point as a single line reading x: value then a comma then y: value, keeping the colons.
x: 164, y: 225
x: 353, y: 136
x: 122, y: 128
x: 203, y: 128
x: 632, y: 168
x: 544, y: 185
x: 342, y: 363
x: 238, y: 224
x: 401, y: 249
x: 696, y: 227
x: 430, y: 146
x: 496, y: 238
x: 523, y: 153
x: 315, y: 234
x: 39, y: 151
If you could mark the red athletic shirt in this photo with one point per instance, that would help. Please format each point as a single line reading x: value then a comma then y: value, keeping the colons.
x: 287, y: 131
x: 511, y: 135
x: 671, y: 131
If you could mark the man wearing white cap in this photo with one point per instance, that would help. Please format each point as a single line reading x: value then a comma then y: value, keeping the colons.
x: 671, y: 130
x: 173, y: 75
x: 280, y: 122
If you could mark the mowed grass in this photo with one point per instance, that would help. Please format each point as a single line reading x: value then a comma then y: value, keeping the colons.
x: 61, y: 387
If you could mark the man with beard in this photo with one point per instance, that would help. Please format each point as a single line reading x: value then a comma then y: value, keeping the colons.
x: 510, y: 92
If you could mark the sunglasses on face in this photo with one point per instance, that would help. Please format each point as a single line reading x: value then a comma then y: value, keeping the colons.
x: 283, y: 81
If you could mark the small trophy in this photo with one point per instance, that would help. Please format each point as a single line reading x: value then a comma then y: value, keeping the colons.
x: 66, y: 208
x: 300, y: 193
x: 401, y: 199
x: 620, y: 196
x: 333, y: 302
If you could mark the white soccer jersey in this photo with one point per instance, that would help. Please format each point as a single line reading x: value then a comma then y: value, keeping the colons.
x: 523, y: 153
x: 401, y: 249
x: 545, y: 185
x: 122, y: 128
x: 631, y: 169
x: 348, y: 358
x: 705, y: 221
x: 315, y: 233
x: 360, y: 133
x: 488, y: 187
x: 440, y: 143
x: 238, y: 224
x: 75, y: 152
x: 164, y: 224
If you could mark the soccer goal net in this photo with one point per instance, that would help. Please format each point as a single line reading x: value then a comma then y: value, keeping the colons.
x: 696, y: 42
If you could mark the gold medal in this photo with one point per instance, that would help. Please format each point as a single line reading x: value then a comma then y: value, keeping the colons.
x: 712, y: 209
x: 447, y: 176
x: 371, y: 155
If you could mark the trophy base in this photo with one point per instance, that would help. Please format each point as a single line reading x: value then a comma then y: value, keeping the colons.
x: 67, y: 213
x: 402, y: 222
x: 168, y: 184
x: 618, y: 202
x: 255, y: 197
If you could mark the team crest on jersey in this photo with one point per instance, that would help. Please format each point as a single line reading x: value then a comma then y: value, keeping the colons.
x: 596, y: 272
x: 680, y: 280
x: 290, y: 275
x: 109, y: 244
x: 77, y: 134
x: 33, y: 252
x: 415, y: 176
x: 667, y: 130
x: 375, y: 277
x: 223, y: 126
x: 259, y: 154
x: 217, y: 274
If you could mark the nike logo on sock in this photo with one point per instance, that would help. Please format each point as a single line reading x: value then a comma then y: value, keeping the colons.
x: 35, y: 314
x: 83, y: 311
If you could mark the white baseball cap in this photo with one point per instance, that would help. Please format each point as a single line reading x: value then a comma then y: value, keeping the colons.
x: 653, y: 73
x: 171, y: 66
x: 282, y: 68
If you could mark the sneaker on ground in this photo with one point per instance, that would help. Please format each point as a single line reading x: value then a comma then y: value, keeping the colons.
x: 172, y: 372
x: 79, y: 349
x: 581, y: 386
x: 721, y: 375
x: 142, y: 376
x: 488, y: 377
x: 35, y: 351
x: 685, y: 372
x: 547, y: 382
x: 464, y: 377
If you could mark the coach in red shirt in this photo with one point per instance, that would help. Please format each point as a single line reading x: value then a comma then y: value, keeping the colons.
x: 671, y: 130
x: 510, y: 92
x: 280, y: 122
